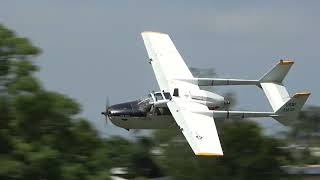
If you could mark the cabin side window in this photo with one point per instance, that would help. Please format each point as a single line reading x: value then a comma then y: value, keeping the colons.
x: 158, y: 96
x: 167, y: 95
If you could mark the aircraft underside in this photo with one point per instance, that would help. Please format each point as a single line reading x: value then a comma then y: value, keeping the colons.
x: 148, y: 122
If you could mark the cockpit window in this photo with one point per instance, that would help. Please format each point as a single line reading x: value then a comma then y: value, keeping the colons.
x: 147, y: 100
x: 167, y: 95
x: 145, y: 104
x: 150, y: 98
x: 158, y: 96
x: 123, y: 106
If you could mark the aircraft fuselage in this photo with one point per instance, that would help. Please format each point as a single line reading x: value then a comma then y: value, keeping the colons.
x: 140, y: 114
x: 150, y: 112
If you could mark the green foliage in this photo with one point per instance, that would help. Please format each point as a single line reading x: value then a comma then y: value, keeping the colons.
x: 119, y: 151
x: 15, y: 63
x: 305, y: 133
x: 306, y: 127
x: 247, y: 155
x: 11, y: 168
x: 40, y: 135
x: 141, y: 161
x: 15, y: 47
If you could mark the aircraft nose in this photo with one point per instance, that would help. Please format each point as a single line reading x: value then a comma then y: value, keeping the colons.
x: 114, y: 111
x: 122, y: 109
x: 109, y: 111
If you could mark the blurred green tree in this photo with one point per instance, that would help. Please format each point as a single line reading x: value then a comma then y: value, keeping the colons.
x: 305, y: 133
x: 305, y: 129
x: 141, y: 162
x: 247, y: 155
x: 41, y: 136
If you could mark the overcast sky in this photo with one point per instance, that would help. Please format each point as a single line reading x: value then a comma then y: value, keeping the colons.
x: 93, y: 49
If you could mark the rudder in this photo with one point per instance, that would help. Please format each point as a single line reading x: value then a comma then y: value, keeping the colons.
x: 271, y: 83
x: 291, y: 108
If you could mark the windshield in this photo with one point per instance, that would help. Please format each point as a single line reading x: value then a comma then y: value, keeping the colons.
x: 145, y: 103
x: 158, y: 96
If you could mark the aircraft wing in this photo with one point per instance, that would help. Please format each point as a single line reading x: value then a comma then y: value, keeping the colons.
x: 199, y: 130
x: 168, y: 66
x: 166, y: 61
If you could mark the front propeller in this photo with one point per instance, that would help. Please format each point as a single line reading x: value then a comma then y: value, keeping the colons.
x: 106, y: 113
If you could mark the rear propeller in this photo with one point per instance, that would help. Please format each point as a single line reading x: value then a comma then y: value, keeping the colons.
x: 229, y: 97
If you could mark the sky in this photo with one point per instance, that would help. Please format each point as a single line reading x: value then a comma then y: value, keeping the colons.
x: 93, y: 49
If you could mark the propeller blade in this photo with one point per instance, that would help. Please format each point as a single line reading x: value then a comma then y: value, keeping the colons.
x: 107, y: 103
x: 105, y: 113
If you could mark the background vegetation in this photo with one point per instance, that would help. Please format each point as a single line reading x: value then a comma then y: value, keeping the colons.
x: 43, y: 137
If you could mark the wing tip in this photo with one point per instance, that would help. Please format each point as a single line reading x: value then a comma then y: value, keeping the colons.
x: 302, y: 94
x: 208, y: 154
x: 286, y: 62
x: 153, y: 32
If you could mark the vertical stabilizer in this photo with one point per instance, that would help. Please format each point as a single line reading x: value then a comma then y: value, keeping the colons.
x: 277, y: 94
x: 278, y: 72
x: 291, y: 108
x: 271, y: 83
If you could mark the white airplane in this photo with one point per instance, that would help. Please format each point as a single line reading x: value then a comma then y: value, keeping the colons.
x: 180, y: 100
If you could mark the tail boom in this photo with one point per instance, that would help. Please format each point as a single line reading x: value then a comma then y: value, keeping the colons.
x: 285, y: 108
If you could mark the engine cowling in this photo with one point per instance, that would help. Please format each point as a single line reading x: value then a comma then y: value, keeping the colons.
x: 212, y: 100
